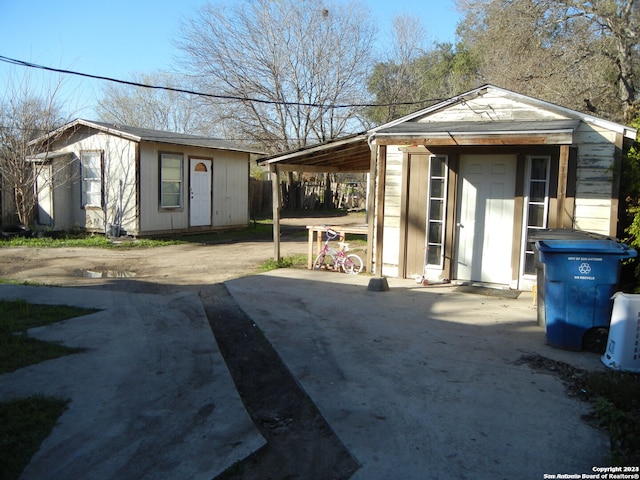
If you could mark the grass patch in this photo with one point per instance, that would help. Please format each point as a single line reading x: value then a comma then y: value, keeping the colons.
x: 24, y: 424
x: 616, y: 398
x: 285, y: 262
x: 8, y: 281
x: 85, y: 241
x: 17, y: 349
x: 258, y: 230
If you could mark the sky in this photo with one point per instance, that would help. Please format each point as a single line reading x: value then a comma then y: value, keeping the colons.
x: 121, y: 37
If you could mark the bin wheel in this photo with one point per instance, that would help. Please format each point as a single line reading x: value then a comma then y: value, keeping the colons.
x: 595, y: 340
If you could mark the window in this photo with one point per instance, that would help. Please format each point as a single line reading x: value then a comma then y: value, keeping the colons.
x: 170, y: 180
x: 436, y: 209
x: 536, y: 206
x: 91, y: 165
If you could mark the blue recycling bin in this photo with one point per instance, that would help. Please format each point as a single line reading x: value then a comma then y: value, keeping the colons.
x: 580, y: 278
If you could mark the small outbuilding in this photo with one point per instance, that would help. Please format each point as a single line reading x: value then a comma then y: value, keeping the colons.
x: 118, y: 179
x: 457, y: 190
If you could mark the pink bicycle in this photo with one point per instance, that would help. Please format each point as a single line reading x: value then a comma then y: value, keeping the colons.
x: 335, y: 260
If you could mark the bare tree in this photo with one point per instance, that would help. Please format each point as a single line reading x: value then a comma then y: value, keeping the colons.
x: 413, y: 76
x: 24, y: 116
x: 398, y: 79
x: 157, y: 108
x: 284, y: 66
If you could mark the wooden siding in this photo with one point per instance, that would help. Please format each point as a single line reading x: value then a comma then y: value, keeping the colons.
x: 594, y: 176
x: 230, y: 185
x: 230, y: 189
x: 67, y: 182
x: 392, y: 211
x: 582, y: 186
x: 132, y: 185
x: 494, y: 105
x: 593, y: 215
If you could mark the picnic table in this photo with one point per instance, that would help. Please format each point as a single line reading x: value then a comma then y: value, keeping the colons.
x: 318, y: 230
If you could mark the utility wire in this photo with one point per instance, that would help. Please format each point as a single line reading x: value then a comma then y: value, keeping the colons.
x: 24, y: 63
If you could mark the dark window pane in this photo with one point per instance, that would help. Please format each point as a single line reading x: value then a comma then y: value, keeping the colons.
x: 437, y: 187
x: 435, y: 232
x: 438, y: 166
x: 436, y: 209
x: 434, y: 254
x: 537, y: 192
x: 539, y: 168
x: 529, y: 264
x: 536, y: 216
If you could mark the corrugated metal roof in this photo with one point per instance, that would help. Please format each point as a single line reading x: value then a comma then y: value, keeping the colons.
x: 352, y: 153
x: 345, y: 154
x: 161, y: 136
x: 138, y: 134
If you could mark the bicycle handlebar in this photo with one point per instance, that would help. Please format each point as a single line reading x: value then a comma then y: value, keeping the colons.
x: 331, y: 234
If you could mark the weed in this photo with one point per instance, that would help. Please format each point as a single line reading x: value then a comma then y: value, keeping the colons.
x: 616, y: 398
x: 285, y: 262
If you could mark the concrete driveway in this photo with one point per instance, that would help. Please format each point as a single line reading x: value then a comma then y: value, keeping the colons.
x: 424, y: 382
x: 150, y: 398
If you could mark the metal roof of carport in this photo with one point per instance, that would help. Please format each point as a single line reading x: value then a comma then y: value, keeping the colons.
x: 346, y: 154
x: 353, y: 153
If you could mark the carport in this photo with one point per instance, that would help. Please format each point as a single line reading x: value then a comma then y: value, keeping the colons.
x: 456, y: 190
x: 351, y: 154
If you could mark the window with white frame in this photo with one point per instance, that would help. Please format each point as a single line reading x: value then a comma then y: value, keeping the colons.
x: 91, y: 165
x: 171, y: 167
x: 436, y: 209
x: 536, y: 205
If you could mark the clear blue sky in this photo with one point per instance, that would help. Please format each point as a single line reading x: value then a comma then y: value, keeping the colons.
x: 118, y: 37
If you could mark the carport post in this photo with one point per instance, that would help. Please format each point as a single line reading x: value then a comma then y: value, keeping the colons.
x: 275, y: 188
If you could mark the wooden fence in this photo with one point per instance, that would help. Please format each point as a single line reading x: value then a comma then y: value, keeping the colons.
x: 307, y: 196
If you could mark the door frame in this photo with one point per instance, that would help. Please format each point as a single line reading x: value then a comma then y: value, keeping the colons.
x: 208, y: 162
x: 515, y: 220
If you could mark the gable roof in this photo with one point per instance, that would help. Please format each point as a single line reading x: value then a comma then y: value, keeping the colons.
x: 331, y: 156
x: 138, y: 134
x: 628, y: 132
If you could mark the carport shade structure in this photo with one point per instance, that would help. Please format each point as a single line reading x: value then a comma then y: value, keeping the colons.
x: 485, y: 121
x: 358, y: 153
x: 350, y: 154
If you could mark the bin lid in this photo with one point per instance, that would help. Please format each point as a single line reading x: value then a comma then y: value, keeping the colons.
x: 565, y: 234
x: 602, y: 247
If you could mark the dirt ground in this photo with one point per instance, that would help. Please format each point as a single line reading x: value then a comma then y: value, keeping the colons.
x: 300, y: 444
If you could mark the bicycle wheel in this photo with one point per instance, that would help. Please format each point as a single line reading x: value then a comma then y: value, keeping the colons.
x: 352, y: 264
x: 324, y: 261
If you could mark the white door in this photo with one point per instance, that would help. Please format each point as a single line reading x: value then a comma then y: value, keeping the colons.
x: 44, y: 193
x: 485, y: 218
x: 199, y: 192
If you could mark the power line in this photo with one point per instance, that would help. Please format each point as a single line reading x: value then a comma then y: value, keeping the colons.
x: 24, y: 63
